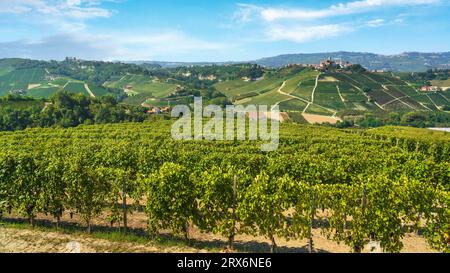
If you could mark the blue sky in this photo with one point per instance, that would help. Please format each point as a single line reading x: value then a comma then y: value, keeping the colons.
x: 218, y: 30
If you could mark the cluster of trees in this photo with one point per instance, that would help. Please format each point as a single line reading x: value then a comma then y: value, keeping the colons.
x: 419, y: 119
x: 65, y: 110
x: 426, y: 77
x: 220, y: 72
x: 210, y: 95
x: 355, y: 188
x: 356, y: 68
x: 94, y: 71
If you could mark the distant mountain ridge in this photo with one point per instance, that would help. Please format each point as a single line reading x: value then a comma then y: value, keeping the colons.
x: 164, y: 64
x: 404, y: 62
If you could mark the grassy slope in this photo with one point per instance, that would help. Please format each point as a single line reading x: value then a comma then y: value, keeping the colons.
x: 43, y: 92
x: 238, y: 87
x: 98, y: 90
x: 76, y: 87
x: 20, y: 79
x: 146, y: 87
x: 7, y: 65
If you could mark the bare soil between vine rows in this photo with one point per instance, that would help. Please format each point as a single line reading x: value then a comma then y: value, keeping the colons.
x: 44, y: 239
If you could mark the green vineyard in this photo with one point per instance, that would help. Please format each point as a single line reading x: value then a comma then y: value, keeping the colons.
x: 356, y: 186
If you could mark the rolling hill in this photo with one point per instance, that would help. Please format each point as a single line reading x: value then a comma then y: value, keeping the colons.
x: 404, y: 62
x: 299, y: 90
x: 140, y: 88
x: 328, y: 94
x: 41, y: 80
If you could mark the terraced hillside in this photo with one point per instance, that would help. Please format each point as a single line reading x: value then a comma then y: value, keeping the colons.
x: 312, y: 92
x: 141, y: 88
x: 39, y: 82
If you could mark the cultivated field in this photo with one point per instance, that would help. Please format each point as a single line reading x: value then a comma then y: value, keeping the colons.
x: 387, y: 185
x: 141, y: 88
x: 327, y: 94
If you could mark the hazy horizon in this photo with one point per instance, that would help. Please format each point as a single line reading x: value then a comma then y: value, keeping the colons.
x: 218, y: 31
x: 228, y: 61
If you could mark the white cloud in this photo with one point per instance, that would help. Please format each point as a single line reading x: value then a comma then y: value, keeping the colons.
x: 111, y: 46
x: 70, y: 34
x: 70, y: 9
x: 60, y: 15
x: 376, y: 22
x: 245, y: 12
x: 302, y: 34
x: 272, y: 14
x: 301, y: 25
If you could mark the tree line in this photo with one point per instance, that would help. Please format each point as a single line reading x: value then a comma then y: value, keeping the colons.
x: 65, y: 110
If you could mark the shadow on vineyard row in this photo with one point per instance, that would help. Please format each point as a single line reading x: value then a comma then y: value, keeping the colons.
x: 139, y: 235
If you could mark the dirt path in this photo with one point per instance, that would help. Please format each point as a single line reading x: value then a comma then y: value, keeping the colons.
x: 369, y: 78
x: 443, y: 97
x: 19, y: 240
x: 33, y: 85
x: 424, y: 106
x: 412, y: 86
x: 394, y: 100
x: 340, y: 95
x: 34, y: 241
x: 362, y: 92
x: 397, y: 99
x: 432, y: 101
x: 46, y: 105
x: 314, y: 90
x: 306, y: 108
x: 379, y: 106
x: 280, y: 90
x: 86, y: 86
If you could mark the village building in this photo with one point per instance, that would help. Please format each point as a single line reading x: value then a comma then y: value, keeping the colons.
x: 430, y: 89
x: 154, y: 111
x: 329, y: 64
x: 159, y: 110
x: 209, y: 78
x: 165, y: 110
